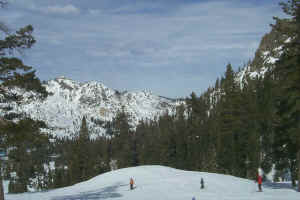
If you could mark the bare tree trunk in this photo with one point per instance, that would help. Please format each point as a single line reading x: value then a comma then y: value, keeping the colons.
x: 1, y: 184
x: 298, y: 171
x: 1, y: 190
x: 293, y: 170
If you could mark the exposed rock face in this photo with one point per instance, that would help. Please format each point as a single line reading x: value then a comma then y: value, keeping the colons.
x: 266, y: 55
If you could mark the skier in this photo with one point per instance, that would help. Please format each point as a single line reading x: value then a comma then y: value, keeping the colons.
x: 193, y: 198
x: 202, y: 183
x: 131, y: 183
x: 259, y: 181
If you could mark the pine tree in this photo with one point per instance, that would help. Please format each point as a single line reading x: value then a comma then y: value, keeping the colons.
x: 180, y: 125
x: 250, y: 147
x: 226, y: 155
x: 193, y: 122
x: 81, y: 163
x: 122, y: 142
x: 30, y: 152
x: 288, y: 75
x: 147, y: 133
x: 12, y: 70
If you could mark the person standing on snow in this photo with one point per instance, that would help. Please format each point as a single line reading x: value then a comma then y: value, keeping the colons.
x: 202, y: 183
x: 131, y: 182
x: 259, y: 181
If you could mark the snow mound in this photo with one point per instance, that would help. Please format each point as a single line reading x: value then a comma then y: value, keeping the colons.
x: 162, y: 183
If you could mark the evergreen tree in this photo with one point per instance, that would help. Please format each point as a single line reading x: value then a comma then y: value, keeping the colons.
x: 122, y: 141
x: 12, y: 70
x: 83, y: 151
x: 250, y: 146
x: 79, y: 157
x: 180, y: 126
x: 229, y: 118
x: 287, y: 72
x: 29, y: 153
x: 167, y: 144
x: 194, y: 117
x: 147, y: 133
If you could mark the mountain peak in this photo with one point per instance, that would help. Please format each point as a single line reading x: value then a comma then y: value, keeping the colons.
x: 62, y: 111
x: 62, y: 78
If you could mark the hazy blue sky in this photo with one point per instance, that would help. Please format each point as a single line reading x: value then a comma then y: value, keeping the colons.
x: 171, y: 47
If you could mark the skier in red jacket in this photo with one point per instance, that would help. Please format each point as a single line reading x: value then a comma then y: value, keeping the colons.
x: 259, y: 181
x: 131, y: 182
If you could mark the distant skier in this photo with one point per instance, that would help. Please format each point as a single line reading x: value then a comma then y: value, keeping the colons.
x: 259, y: 181
x: 131, y: 183
x: 202, y: 183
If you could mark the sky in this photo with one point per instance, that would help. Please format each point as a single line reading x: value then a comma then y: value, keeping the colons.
x: 170, y: 47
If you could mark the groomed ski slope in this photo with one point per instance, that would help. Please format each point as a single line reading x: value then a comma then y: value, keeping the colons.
x: 162, y: 183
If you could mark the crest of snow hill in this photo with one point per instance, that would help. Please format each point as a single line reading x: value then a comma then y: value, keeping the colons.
x: 69, y: 100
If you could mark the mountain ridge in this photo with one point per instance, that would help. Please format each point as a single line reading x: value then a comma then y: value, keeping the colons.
x: 70, y: 100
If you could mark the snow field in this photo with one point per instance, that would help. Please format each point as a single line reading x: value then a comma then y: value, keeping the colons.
x: 161, y: 183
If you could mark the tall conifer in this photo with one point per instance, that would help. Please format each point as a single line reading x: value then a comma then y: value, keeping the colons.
x: 288, y: 74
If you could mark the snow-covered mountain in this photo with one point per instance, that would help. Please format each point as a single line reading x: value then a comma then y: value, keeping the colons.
x: 69, y: 101
x: 268, y: 52
x: 164, y: 183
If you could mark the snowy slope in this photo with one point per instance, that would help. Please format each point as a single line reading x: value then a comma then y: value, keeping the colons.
x: 265, y: 57
x: 70, y: 101
x: 162, y: 183
x: 268, y: 62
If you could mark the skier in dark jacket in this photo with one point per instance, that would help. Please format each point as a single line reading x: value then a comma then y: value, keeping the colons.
x: 202, y: 183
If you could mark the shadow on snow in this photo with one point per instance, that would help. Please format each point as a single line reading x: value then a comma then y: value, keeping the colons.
x: 275, y: 185
x: 105, y: 193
